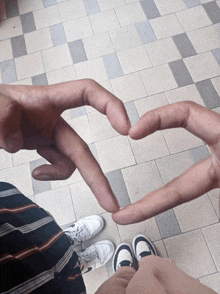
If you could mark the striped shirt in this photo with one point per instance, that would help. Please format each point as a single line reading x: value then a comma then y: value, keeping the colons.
x: 35, y: 254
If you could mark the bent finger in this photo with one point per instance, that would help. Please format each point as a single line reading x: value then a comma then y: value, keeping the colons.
x: 196, y: 181
x: 61, y: 167
x: 71, y: 145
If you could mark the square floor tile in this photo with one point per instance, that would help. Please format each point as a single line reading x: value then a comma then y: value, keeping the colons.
x: 106, y: 4
x: 82, y: 28
x: 146, y: 104
x: 71, y: 10
x: 160, y: 248
x: 132, y: 112
x: 146, y: 32
x: 162, y: 51
x: 57, y: 57
x: 19, y: 176
x: 104, y: 21
x: 93, y: 69
x: 18, y: 46
x: 168, y: 224
x: 82, y: 127
x: 91, y: 6
x: 152, y: 147
x: 98, y: 45
x: 38, y: 40
x: 148, y: 227
x: 212, y: 236
x: 180, y: 139
x: 180, y: 73
x: 216, y: 84
x: 170, y: 6
x: 130, y: 14
x: 216, y: 54
x: 5, y: 50
x: 195, y: 214
x: 193, y: 18
x: 100, y: 126
x: 27, y: 82
x: 115, y: 153
x: 213, y: 11
x: 61, y: 75
x: 5, y: 159
x: 84, y: 201
x: 3, y: 15
x: 197, y: 64
x: 28, y: 23
x: 112, y: 65
x: 199, y: 153
x: 40, y: 80
x: 212, y: 281
x: 47, y: 17
x: 187, y: 249
x: 11, y: 28
x: 58, y: 34
x: 75, y: 178
x: 11, y: 8
x: 158, y: 79
x: 49, y: 2
x: 8, y: 71
x: 150, y: 9
x: 29, y: 5
x: 208, y: 93
x: 57, y: 202
x: 23, y: 156
x: 166, y: 26
x: 204, y: 39
x: 134, y: 59
x: 77, y: 51
x: 184, y: 45
x: 125, y: 38
x: 29, y: 65
x: 141, y: 180
x: 173, y: 166
x: 184, y: 93
x: 129, y: 87
x: 192, y: 3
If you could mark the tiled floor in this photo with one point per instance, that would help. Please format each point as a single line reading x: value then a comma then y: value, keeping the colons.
x: 149, y: 53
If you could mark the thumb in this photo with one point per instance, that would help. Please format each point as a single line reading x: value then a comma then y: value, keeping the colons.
x: 10, y: 118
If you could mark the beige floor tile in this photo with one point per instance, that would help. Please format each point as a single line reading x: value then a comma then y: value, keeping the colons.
x: 84, y: 202
x: 184, y: 93
x: 129, y: 87
x: 72, y: 10
x: 216, y: 84
x: 197, y: 64
x: 130, y: 14
x: 56, y: 57
x: 125, y: 38
x: 5, y: 50
x: 195, y: 214
x: 212, y: 236
x: 162, y: 51
x: 204, y: 39
x: 82, y: 128
x: 75, y: 178
x: 169, y: 6
x: 61, y: 75
x: 134, y: 59
x: 104, y: 21
x: 93, y: 69
x: 94, y: 279
x: 141, y: 180
x: 214, y: 196
x: 158, y: 79
x: 38, y: 40
x: 101, y: 127
x: 47, y: 17
x: 180, y: 139
x: 212, y: 281
x: 148, y: 227
x: 20, y: 177
x: 27, y: 82
x: 59, y: 203
x: 115, y: 153
x: 149, y: 148
x: 26, y: 6
x: 172, y: 166
x: 29, y: 65
x: 166, y: 26
x: 5, y: 159
x: 106, y: 4
x: 193, y: 18
x: 149, y: 103
x: 10, y: 28
x: 23, y: 156
x: 98, y: 45
x: 161, y: 250
x: 82, y: 29
x: 190, y: 253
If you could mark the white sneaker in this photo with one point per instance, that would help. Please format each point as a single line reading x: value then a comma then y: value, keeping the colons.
x: 95, y: 256
x: 85, y: 229
x: 142, y: 246
x: 123, y: 256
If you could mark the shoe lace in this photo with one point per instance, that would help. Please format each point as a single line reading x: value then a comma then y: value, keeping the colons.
x: 78, y: 233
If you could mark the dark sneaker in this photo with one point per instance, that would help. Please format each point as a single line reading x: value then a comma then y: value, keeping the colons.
x: 123, y: 256
x: 142, y: 247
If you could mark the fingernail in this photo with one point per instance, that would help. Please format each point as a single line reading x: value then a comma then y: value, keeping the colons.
x: 14, y: 141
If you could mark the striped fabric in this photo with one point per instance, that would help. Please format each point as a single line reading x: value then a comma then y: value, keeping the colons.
x: 35, y: 254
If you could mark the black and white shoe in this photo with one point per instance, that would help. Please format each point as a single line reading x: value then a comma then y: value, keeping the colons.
x: 123, y: 256
x: 142, y: 247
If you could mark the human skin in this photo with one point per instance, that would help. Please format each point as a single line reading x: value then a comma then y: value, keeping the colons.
x: 30, y: 118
